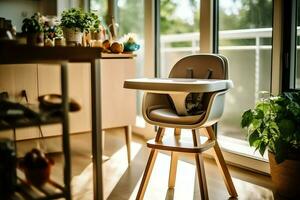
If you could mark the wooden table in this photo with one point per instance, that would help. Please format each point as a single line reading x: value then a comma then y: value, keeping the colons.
x: 178, y: 88
x: 17, y: 54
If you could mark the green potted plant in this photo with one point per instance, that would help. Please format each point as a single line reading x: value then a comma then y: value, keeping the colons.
x: 73, y: 24
x: 91, y: 26
x: 33, y: 28
x: 96, y: 28
x: 274, y: 124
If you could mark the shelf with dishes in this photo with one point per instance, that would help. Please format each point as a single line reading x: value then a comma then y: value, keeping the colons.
x: 49, y: 111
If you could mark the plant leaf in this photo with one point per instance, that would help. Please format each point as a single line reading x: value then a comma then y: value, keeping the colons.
x: 280, y: 151
x: 262, y: 148
x: 247, y: 118
x: 256, y: 123
x: 286, y: 127
x: 259, y: 114
x: 253, y: 138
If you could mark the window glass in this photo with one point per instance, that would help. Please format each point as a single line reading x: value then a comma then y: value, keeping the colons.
x: 130, y: 19
x: 99, y: 6
x: 179, y: 32
x: 245, y: 38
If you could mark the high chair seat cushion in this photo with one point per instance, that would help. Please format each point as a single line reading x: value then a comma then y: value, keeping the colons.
x: 168, y: 115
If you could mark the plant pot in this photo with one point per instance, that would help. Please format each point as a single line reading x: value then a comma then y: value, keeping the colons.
x: 35, y: 39
x: 286, y: 176
x: 73, y: 36
x: 59, y: 41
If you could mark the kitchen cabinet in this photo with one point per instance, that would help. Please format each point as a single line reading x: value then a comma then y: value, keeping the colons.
x: 118, y: 104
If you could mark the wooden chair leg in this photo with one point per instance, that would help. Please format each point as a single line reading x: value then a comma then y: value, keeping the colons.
x: 200, y: 168
x: 174, y: 161
x: 128, y: 134
x: 173, y: 169
x: 147, y: 174
x: 149, y: 166
x: 221, y: 164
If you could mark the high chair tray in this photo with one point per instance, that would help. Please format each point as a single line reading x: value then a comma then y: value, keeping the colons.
x: 170, y: 85
x: 178, y: 88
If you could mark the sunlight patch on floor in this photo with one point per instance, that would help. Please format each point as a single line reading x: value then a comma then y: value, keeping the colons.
x: 158, y: 184
x: 252, y: 191
x: 113, y: 169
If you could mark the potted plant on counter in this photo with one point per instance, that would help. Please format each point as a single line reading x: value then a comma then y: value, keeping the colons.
x: 91, y: 23
x: 33, y: 28
x: 274, y: 124
x: 73, y: 25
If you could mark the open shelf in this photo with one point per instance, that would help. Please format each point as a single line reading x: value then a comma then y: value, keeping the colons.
x: 50, y: 190
x: 43, y: 118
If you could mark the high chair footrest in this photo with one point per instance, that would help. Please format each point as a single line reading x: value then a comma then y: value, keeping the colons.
x: 171, y: 144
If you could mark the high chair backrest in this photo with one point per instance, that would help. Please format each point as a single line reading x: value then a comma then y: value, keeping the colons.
x: 198, y: 65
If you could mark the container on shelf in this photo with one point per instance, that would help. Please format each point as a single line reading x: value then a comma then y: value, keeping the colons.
x: 73, y: 36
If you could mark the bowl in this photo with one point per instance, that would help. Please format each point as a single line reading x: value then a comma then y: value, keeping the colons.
x: 129, y: 47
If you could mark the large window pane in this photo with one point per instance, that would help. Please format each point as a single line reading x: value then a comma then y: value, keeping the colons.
x: 179, y: 32
x: 245, y: 36
x: 99, y: 6
x: 130, y: 18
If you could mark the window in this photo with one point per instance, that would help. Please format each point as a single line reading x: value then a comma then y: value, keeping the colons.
x: 245, y: 38
x: 99, y: 6
x: 130, y: 18
x: 179, y: 32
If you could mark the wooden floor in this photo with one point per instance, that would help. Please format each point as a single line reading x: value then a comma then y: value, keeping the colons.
x: 121, y: 181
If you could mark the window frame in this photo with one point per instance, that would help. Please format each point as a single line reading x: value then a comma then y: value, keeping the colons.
x: 288, y: 40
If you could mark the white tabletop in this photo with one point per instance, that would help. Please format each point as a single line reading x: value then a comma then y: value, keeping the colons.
x: 178, y: 84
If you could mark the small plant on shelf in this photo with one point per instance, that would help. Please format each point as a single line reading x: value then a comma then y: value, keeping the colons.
x: 73, y: 19
x: 91, y: 22
x: 274, y: 124
x: 33, y: 28
x: 34, y: 24
x: 91, y: 28
x: 73, y: 24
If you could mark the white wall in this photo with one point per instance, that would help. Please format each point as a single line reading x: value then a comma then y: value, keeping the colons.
x: 17, y: 10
